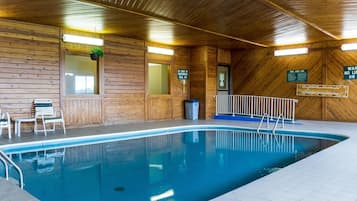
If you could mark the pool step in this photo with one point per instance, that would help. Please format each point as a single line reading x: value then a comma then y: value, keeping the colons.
x: 10, y: 191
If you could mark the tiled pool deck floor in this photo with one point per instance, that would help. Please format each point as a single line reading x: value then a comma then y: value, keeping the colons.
x: 330, y: 175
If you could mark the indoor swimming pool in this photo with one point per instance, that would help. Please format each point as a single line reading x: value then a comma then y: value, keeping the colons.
x: 181, y: 166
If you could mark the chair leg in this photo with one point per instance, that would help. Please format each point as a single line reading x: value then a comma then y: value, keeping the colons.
x: 64, y: 128
x: 9, y: 130
x: 35, y: 128
x: 44, y: 128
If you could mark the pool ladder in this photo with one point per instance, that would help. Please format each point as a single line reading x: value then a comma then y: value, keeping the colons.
x: 267, y: 119
x: 277, y: 122
x: 7, y: 161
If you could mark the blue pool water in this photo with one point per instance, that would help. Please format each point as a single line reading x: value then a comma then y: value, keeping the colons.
x: 187, y: 166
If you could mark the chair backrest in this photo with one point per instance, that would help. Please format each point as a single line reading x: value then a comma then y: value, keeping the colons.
x: 4, y: 119
x: 43, y: 107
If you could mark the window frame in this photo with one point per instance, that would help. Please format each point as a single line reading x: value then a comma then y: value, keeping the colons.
x: 163, y: 62
x: 169, y: 64
x: 99, y: 72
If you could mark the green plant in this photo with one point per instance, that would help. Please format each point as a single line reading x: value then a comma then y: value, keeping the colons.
x: 98, y: 51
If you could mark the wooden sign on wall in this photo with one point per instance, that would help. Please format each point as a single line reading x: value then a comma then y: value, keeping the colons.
x: 337, y: 91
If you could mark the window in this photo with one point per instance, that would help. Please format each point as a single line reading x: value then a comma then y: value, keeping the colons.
x: 158, y: 78
x: 81, y: 75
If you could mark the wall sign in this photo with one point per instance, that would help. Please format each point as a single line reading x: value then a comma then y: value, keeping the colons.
x: 350, y: 72
x: 182, y: 74
x: 297, y: 75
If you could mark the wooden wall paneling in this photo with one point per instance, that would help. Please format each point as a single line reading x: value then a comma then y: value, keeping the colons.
x: 181, y: 61
x: 180, y: 91
x: 310, y: 107
x: 172, y: 105
x: 61, y: 55
x: 258, y: 72
x: 28, y: 31
x: 324, y: 79
x: 178, y: 107
x: 83, y: 111
x: 160, y: 107
x: 223, y: 56
x: 341, y: 109
x: 146, y: 88
x: 29, y: 67
x: 203, y: 79
x: 198, y: 78
x: 123, y: 108
x: 211, y: 82
x: 124, y: 80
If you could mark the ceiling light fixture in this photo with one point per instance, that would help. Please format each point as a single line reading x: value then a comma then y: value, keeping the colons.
x: 349, y: 46
x: 83, y: 40
x: 159, y: 50
x: 294, y: 51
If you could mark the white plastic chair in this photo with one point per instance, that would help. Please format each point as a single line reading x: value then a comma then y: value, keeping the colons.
x: 5, y: 122
x: 44, y: 111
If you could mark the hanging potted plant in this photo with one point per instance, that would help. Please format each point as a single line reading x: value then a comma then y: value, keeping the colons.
x: 96, y: 52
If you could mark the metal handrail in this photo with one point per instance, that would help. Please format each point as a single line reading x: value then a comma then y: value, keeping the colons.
x: 6, y: 168
x: 5, y: 159
x: 277, y: 122
x: 262, y: 120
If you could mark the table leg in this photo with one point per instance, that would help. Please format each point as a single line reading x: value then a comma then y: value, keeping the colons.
x: 19, y: 129
x: 15, y: 128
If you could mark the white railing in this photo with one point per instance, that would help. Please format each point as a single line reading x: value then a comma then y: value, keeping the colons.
x: 256, y: 106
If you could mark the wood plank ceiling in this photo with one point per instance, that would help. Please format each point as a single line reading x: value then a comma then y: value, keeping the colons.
x: 221, y: 23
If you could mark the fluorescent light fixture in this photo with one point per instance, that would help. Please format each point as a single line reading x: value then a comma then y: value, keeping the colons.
x: 159, y: 50
x: 349, y: 46
x: 82, y: 40
x: 164, y: 195
x: 294, y: 51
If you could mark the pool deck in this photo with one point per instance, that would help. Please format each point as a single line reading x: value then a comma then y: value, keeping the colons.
x: 11, y: 192
x: 329, y: 175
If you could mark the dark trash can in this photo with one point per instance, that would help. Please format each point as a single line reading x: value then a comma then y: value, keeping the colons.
x: 191, y: 109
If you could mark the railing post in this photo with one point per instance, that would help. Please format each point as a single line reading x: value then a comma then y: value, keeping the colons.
x: 233, y: 105
x: 216, y: 104
x: 271, y: 108
x: 293, y: 115
x: 251, y: 100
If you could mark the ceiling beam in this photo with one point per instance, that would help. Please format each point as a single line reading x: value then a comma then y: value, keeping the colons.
x: 167, y: 20
x: 296, y: 16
